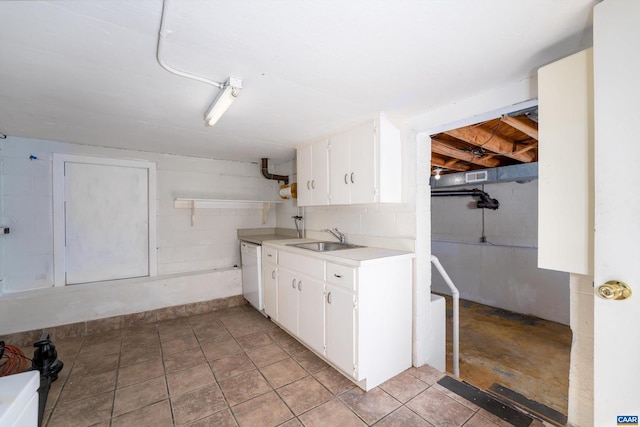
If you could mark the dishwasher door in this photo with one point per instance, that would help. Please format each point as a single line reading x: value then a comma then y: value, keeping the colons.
x: 251, y: 257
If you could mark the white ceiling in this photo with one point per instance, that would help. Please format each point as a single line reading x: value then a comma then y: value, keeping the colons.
x: 86, y: 71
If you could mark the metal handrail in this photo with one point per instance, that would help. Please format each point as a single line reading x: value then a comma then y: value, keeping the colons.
x: 456, y: 314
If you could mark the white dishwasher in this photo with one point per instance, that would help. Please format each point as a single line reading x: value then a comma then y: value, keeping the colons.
x: 251, y: 258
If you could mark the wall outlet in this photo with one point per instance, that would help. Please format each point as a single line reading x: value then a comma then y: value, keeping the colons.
x: 5, y: 230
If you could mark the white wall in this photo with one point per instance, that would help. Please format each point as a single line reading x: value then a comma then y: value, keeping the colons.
x: 26, y: 196
x: 502, y: 272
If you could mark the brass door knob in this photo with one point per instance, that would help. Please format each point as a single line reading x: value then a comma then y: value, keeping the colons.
x: 614, y: 289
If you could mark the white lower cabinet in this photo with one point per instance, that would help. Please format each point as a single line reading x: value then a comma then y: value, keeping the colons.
x: 340, y: 328
x: 356, y: 317
x: 270, y: 294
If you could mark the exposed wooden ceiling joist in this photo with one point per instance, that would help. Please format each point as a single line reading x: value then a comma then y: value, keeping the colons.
x: 453, y: 165
x: 441, y: 147
x: 524, y: 125
x: 480, y: 137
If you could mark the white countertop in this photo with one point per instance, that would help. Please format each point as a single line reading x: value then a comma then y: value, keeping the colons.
x: 355, y: 256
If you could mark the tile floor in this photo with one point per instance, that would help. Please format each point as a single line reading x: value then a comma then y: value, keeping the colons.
x: 228, y: 368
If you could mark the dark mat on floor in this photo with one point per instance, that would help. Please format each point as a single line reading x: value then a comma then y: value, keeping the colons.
x: 486, y: 402
x: 543, y: 411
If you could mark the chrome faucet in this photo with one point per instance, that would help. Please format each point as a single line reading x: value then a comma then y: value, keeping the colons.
x: 336, y: 233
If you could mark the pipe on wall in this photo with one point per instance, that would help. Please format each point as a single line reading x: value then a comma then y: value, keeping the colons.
x: 266, y: 174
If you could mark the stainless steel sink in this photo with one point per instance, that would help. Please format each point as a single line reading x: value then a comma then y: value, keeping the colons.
x: 325, y: 246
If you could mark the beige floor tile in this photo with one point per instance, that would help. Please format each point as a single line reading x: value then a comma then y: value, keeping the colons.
x: 190, y: 379
x: 480, y: 421
x: 174, y: 331
x: 94, y: 366
x: 139, y: 395
x: 427, y: 374
x: 267, y: 355
x: 82, y: 413
x: 493, y: 418
x: 333, y: 380
x: 155, y: 415
x: 144, y: 371
x: 331, y: 414
x: 213, y: 332
x: 186, y: 342
x: 371, y: 406
x: 403, y: 417
x: 84, y: 387
x: 100, y: 348
x: 283, y: 372
x: 139, y: 354
x: 244, y: 387
x: 198, y: 404
x: 304, y: 394
x: 404, y: 386
x: 219, y: 419
x: 291, y: 423
x: 253, y: 341
x: 220, y: 349
x: 265, y: 411
x: 309, y: 361
x: 231, y: 366
x: 184, y: 360
x: 439, y: 409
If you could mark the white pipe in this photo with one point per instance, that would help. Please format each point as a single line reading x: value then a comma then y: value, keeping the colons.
x: 162, y: 34
x: 456, y: 314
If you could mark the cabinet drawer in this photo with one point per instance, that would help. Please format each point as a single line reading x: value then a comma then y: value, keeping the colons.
x: 341, y: 275
x: 310, y: 266
x: 270, y: 254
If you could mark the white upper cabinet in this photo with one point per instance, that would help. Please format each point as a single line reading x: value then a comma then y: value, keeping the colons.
x: 364, y: 166
x: 313, y: 174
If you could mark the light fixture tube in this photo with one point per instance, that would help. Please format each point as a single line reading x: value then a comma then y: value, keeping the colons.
x: 229, y: 92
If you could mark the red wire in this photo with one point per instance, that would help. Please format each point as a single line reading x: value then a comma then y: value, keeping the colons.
x: 13, y: 361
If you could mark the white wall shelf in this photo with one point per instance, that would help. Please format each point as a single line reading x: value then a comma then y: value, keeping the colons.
x: 193, y: 204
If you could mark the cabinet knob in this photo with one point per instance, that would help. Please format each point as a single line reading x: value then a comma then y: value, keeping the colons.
x: 313, y: 183
x: 329, y: 298
x: 339, y: 276
x: 308, y: 185
x: 300, y: 285
x: 352, y: 181
x: 293, y: 283
x: 345, y: 178
x: 273, y: 274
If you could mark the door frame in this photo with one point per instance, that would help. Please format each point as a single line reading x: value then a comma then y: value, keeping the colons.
x: 59, y: 226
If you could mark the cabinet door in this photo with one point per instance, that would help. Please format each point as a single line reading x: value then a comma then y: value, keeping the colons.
x: 288, y: 300
x: 363, y: 164
x: 304, y: 164
x: 340, y: 162
x: 340, y: 324
x: 311, y: 312
x: 320, y: 173
x: 269, y: 283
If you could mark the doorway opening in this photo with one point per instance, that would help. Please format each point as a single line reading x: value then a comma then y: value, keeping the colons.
x: 515, y: 339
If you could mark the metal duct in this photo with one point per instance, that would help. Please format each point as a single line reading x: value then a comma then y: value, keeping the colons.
x: 266, y: 174
x: 520, y: 173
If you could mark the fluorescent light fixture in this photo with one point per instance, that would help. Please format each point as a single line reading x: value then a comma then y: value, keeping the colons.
x: 229, y: 92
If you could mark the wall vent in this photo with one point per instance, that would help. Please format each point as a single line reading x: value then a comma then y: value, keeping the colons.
x: 478, y: 176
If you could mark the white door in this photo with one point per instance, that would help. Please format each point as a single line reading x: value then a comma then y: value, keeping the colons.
x: 288, y: 299
x: 617, y: 213
x: 303, y: 167
x: 362, y: 177
x: 269, y: 280
x: 340, y: 328
x: 340, y: 162
x: 106, y: 222
x: 320, y: 170
x: 311, y: 312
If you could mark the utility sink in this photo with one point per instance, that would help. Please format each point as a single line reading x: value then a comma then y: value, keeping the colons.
x: 325, y: 246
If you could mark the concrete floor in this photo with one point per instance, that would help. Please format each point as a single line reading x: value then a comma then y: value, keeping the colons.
x: 527, y: 354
